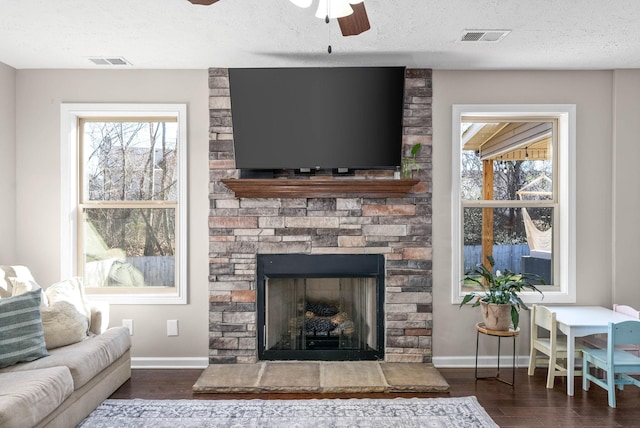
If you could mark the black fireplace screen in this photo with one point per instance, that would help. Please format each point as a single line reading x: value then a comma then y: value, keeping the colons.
x: 331, y: 312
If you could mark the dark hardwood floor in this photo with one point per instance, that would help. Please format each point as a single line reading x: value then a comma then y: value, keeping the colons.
x: 529, y: 404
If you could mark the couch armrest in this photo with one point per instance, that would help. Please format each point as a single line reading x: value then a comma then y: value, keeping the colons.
x: 99, y: 317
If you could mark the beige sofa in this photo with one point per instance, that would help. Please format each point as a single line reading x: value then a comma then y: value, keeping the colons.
x: 61, y: 389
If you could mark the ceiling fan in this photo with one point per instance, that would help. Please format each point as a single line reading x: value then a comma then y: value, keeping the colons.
x: 351, y: 14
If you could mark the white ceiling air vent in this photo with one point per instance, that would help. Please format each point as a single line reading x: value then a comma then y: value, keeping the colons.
x: 109, y: 61
x: 487, y: 36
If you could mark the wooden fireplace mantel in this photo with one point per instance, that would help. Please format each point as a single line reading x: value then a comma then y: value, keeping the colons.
x: 318, y: 188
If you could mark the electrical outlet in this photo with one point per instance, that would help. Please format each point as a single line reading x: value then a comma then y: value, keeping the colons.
x: 129, y: 325
x: 172, y: 327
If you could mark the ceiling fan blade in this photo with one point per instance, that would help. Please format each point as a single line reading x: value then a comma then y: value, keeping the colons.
x: 356, y: 23
x: 203, y: 2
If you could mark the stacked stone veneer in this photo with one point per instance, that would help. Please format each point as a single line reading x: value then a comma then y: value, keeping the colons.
x: 241, y: 228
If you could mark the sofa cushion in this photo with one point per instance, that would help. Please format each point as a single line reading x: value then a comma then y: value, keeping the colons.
x: 21, y: 334
x: 63, y: 325
x: 84, y: 359
x: 26, y: 398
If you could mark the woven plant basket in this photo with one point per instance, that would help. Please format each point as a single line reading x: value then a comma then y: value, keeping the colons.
x: 496, y: 317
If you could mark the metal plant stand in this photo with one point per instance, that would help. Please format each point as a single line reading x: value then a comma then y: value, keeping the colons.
x: 480, y: 328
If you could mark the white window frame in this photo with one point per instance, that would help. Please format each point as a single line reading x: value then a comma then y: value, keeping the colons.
x: 69, y: 128
x: 565, y: 169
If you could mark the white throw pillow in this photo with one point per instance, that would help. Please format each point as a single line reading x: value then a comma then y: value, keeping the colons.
x: 6, y: 272
x: 63, y: 325
x: 71, y: 291
x: 21, y: 286
x: 5, y: 285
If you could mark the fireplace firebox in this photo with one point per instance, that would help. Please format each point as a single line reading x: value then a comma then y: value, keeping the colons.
x: 320, y: 307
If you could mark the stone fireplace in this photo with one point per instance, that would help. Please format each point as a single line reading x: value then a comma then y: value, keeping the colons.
x: 394, y: 227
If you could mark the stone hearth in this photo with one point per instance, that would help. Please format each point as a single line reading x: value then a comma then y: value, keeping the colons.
x: 399, y: 228
x: 322, y: 377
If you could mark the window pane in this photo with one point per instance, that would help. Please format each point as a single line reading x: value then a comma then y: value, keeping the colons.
x: 521, y: 239
x: 132, y: 161
x: 321, y: 314
x: 129, y: 247
x: 521, y: 168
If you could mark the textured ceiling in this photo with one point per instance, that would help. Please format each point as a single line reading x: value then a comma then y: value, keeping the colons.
x: 165, y: 34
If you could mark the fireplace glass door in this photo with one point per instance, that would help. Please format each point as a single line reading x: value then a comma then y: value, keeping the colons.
x: 321, y: 314
x: 321, y: 318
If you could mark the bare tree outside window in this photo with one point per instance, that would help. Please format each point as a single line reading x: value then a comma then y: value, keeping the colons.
x: 129, y: 201
x: 509, y: 177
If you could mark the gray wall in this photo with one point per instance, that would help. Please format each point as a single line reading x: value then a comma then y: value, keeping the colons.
x: 7, y: 164
x: 607, y: 198
x: 39, y: 95
x: 592, y: 92
x: 626, y: 186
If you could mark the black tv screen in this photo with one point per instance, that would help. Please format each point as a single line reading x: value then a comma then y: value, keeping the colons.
x: 317, y: 118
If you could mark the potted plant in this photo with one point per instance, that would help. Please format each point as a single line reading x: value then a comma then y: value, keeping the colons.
x: 498, y: 294
x: 410, y: 163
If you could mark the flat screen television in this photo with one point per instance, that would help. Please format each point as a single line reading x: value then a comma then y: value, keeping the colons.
x: 342, y: 118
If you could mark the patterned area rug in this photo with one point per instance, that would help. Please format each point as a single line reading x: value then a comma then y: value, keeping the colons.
x: 319, y: 413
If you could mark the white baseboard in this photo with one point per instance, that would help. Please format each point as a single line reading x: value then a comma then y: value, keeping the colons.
x: 483, y: 361
x: 169, y: 363
x: 438, y: 362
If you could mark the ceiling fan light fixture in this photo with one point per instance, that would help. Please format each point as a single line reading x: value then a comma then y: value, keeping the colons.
x: 302, y: 3
x: 333, y: 9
